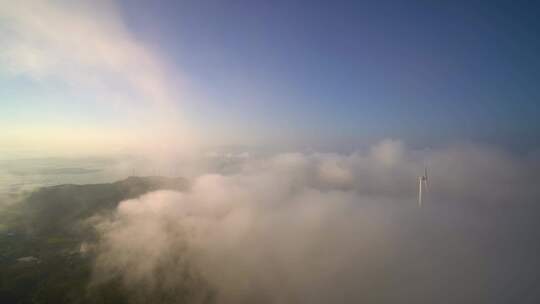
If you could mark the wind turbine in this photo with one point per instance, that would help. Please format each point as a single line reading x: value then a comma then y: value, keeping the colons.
x: 422, y: 182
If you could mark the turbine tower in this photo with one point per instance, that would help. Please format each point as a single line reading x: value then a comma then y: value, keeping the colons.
x: 422, y: 182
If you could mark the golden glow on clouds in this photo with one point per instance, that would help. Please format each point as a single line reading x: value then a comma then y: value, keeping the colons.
x: 94, y: 140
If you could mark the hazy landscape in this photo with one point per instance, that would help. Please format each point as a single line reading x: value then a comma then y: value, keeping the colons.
x: 271, y: 152
x: 300, y: 227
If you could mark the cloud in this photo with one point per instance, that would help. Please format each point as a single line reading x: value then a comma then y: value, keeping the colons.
x: 329, y: 228
x: 81, y: 44
x: 87, y: 47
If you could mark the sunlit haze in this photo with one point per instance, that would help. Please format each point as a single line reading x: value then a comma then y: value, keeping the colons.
x: 269, y: 151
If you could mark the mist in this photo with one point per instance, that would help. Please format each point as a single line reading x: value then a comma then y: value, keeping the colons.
x: 333, y: 228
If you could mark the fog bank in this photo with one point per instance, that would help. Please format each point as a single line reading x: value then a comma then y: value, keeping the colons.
x: 329, y: 228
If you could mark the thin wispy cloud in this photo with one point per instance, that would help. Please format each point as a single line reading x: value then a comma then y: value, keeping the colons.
x: 81, y: 44
x: 87, y: 47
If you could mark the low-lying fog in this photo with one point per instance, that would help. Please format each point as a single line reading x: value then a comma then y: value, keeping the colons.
x: 334, y: 228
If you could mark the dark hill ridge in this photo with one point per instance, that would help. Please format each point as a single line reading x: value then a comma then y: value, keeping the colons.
x: 54, y: 209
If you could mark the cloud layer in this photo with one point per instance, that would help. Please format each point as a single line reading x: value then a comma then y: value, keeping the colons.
x: 326, y: 228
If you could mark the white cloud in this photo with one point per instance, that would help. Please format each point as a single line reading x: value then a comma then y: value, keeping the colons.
x: 82, y: 44
x: 320, y: 228
x: 87, y: 46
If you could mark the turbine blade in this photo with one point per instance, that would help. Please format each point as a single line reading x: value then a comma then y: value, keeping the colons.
x: 426, y: 178
x: 420, y: 191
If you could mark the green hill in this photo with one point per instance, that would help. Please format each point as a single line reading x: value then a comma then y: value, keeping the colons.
x: 56, y: 209
x: 39, y: 257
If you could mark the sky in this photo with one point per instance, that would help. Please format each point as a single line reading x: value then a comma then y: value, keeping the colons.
x: 117, y: 76
x: 447, y: 85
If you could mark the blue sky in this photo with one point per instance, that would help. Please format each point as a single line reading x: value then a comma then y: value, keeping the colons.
x: 316, y: 72
x: 381, y: 68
